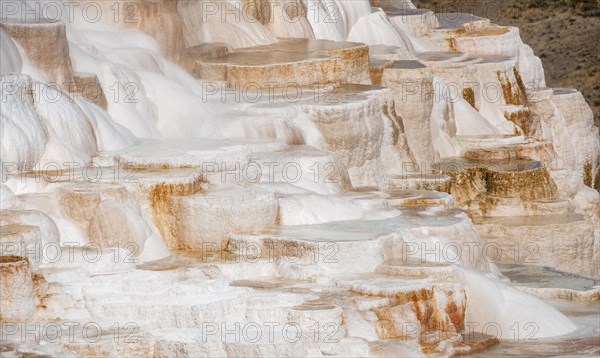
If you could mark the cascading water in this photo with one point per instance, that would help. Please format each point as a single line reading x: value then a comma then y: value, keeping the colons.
x: 221, y: 21
x: 376, y: 29
x: 332, y: 179
x: 509, y: 311
x: 354, y: 21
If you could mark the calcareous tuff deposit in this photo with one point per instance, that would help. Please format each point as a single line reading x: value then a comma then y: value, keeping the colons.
x: 245, y: 178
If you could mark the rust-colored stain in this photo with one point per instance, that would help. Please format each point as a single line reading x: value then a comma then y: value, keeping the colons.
x: 14, y: 274
x: 513, y: 93
x: 40, y: 287
x: 469, y: 96
x: 355, y: 62
x: 459, y: 32
x: 149, y: 167
x: 397, y: 126
x: 541, y: 150
x: 465, y: 185
x: 452, y: 47
x: 376, y: 71
x: 528, y: 185
x: 469, y: 185
x: 520, y: 84
x: 597, y: 179
x: 587, y: 174
x: 164, y: 214
x: 376, y: 74
x: 521, y: 118
x: 488, y: 31
x: 399, y: 142
x: 423, y: 304
x: 10, y: 259
x: 456, y: 314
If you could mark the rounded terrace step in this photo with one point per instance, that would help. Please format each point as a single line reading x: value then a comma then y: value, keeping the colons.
x: 548, y: 283
x: 524, y: 179
x: 416, y: 268
x: 564, y: 241
x: 25, y: 241
x: 425, y: 181
x: 290, y: 62
x: 427, y: 198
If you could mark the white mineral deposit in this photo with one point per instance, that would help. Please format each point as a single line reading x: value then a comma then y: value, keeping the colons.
x: 288, y: 178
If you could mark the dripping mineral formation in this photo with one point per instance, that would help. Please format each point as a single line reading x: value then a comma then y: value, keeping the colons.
x: 289, y: 178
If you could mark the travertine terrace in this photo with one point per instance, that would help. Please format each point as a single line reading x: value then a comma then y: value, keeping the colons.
x: 200, y: 178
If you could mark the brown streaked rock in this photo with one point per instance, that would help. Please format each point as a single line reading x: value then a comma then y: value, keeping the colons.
x: 16, y: 291
x: 46, y: 46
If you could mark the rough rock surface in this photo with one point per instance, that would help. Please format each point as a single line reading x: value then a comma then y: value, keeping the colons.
x: 297, y: 188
